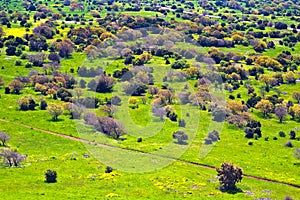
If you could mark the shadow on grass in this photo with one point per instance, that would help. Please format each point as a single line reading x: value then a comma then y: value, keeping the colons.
x: 234, y: 191
x: 158, y: 120
x: 181, y: 143
x: 121, y: 139
x: 297, y: 164
x: 58, y: 120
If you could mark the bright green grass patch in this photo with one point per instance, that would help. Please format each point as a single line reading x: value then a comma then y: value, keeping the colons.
x: 80, y: 177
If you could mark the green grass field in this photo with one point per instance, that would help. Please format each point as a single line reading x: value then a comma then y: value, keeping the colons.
x: 85, y: 177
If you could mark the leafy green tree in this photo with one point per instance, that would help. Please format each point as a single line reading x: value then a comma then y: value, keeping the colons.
x: 104, y: 84
x: 180, y: 64
x: 108, y: 109
x: 292, y: 135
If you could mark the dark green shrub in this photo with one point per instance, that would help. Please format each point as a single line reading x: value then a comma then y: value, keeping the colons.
x: 43, y: 105
x: 292, y: 135
x: 288, y: 144
x: 208, y: 141
x: 180, y: 136
x: 51, y: 176
x: 18, y: 63
x: 28, y: 65
x: 281, y: 134
x: 181, y: 123
x: 108, y: 169
x: 229, y: 175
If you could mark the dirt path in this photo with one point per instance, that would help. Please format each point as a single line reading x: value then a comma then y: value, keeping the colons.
x: 109, y: 146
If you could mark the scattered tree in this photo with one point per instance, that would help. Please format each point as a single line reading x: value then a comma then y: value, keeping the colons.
x: 110, y: 127
x: 296, y: 96
x: 27, y: 103
x: 4, y: 138
x: 12, y: 158
x: 280, y: 111
x: 108, y: 109
x: 159, y: 112
x: 15, y: 86
x: 104, y: 84
x: 55, y: 110
x: 229, y: 175
x: 65, y: 48
x: 265, y: 106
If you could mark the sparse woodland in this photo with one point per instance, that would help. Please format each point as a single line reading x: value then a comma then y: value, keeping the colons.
x: 207, y: 84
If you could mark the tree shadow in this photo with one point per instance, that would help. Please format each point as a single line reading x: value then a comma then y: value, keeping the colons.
x: 297, y: 164
x: 121, y: 139
x: 181, y: 143
x: 158, y: 120
x: 234, y: 191
x: 58, y: 120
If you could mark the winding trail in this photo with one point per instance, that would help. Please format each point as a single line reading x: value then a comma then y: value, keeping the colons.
x: 146, y: 153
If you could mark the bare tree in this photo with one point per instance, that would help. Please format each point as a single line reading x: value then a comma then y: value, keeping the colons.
x: 159, y: 112
x: 12, y: 158
x: 280, y: 111
x: 110, y: 127
x: 4, y: 138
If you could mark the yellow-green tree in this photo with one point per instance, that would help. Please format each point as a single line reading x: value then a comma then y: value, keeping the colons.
x: 294, y: 111
x: 235, y: 107
x: 55, y: 110
x: 1, y: 81
x: 15, y: 86
x: 265, y: 106
x: 296, y: 96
